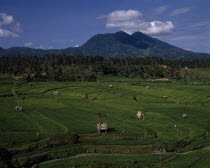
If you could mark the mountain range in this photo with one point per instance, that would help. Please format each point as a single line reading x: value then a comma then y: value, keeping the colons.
x: 119, y: 44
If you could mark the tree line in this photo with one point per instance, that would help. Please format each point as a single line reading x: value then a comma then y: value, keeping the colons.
x: 87, y: 68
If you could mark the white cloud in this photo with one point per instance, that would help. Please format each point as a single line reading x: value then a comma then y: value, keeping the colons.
x: 121, y: 15
x: 7, y: 33
x: 187, y: 49
x: 131, y: 21
x: 201, y: 23
x: 17, y: 27
x: 50, y: 47
x: 157, y: 27
x: 161, y: 9
x: 5, y: 19
x: 76, y: 45
x: 5, y: 22
x: 101, y: 17
x: 180, y: 11
x: 28, y: 44
x: 63, y: 41
x: 40, y: 47
x: 44, y: 47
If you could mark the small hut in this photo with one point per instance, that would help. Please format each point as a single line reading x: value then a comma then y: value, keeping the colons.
x: 56, y: 93
x: 147, y: 87
x: 102, y: 127
x: 184, y: 116
x: 140, y: 115
x: 110, y: 86
x: 160, y: 150
x: 165, y: 97
x: 18, y: 108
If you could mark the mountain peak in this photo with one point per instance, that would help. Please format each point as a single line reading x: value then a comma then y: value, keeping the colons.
x: 139, y: 34
x: 119, y: 44
x: 121, y: 32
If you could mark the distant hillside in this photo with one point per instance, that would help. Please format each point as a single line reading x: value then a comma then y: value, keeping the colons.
x: 118, y: 45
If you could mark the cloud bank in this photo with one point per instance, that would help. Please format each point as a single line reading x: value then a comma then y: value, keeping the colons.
x: 132, y: 20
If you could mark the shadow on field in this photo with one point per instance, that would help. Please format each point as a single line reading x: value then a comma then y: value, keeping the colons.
x: 111, y: 130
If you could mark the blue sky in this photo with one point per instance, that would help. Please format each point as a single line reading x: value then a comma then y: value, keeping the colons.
x: 68, y: 23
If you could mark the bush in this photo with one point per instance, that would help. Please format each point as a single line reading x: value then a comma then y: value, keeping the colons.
x: 57, y: 140
x: 171, y: 147
x: 5, y: 158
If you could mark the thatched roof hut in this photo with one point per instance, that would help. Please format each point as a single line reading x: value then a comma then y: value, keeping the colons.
x: 165, y: 97
x: 102, y: 127
x: 56, y: 93
x: 140, y: 115
x: 184, y: 115
x: 18, y: 108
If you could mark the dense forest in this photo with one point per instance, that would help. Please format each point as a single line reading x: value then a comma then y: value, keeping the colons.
x: 87, y: 68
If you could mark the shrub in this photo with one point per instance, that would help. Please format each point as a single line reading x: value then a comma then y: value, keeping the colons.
x: 5, y: 158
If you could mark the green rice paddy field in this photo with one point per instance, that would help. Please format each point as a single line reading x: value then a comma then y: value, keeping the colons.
x: 60, y: 131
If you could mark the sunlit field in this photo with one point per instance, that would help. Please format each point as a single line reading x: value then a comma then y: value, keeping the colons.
x: 53, y: 127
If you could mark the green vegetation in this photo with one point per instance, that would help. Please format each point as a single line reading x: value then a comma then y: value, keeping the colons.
x: 60, y: 131
x: 197, y: 159
x: 79, y: 68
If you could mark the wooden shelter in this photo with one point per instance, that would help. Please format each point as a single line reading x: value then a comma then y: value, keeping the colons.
x: 140, y: 115
x: 102, y: 127
x: 165, y: 97
x: 56, y: 93
x: 18, y: 108
x: 184, y: 116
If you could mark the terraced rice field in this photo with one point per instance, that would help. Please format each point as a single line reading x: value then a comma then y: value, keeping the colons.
x: 129, y: 142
